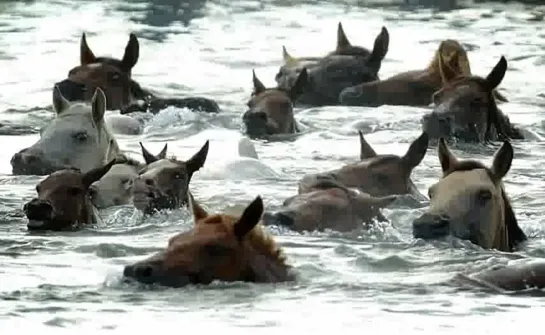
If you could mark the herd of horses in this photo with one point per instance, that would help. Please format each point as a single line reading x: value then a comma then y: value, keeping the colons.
x: 87, y: 171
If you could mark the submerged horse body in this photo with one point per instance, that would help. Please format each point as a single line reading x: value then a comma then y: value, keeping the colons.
x: 163, y: 182
x: 465, y: 109
x: 345, y: 67
x: 218, y: 247
x: 78, y: 137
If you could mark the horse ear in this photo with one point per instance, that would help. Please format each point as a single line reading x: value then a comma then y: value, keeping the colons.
x: 446, y: 158
x: 95, y: 174
x: 495, y: 76
x: 342, y: 41
x: 366, y: 151
x: 98, y: 105
x: 148, y: 156
x: 198, y: 212
x: 380, y: 48
x: 502, y: 160
x: 86, y: 55
x: 300, y: 84
x: 258, y: 85
x: 132, y: 52
x: 60, y: 103
x: 286, y: 57
x: 197, y: 161
x: 417, y: 151
x: 163, y: 153
x: 249, y: 219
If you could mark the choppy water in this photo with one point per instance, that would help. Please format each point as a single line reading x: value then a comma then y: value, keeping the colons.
x: 380, y: 281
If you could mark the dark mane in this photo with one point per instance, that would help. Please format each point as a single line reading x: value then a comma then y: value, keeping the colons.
x: 514, y: 232
x: 122, y: 159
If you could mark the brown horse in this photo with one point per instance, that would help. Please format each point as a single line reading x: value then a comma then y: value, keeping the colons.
x: 164, y: 182
x: 270, y: 110
x: 346, y: 66
x: 329, y: 205
x: 377, y: 175
x: 218, y: 247
x: 470, y: 202
x: 414, y: 88
x: 113, y: 76
x: 62, y: 201
x: 466, y: 109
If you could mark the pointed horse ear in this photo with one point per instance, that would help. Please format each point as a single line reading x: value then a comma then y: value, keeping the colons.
x: 495, y: 76
x: 132, y: 52
x: 95, y: 174
x: 197, y: 161
x: 198, y: 212
x: 86, y: 55
x: 299, y: 86
x: 258, y: 85
x: 502, y: 161
x: 149, y: 157
x: 60, y: 103
x: 286, y: 57
x: 446, y: 157
x: 249, y: 219
x: 417, y: 151
x: 380, y: 49
x: 366, y: 150
x: 342, y: 41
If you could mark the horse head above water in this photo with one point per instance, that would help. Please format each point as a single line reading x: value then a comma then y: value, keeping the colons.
x: 470, y: 202
x: 164, y: 182
x: 62, y: 201
x: 77, y: 137
x: 218, y: 247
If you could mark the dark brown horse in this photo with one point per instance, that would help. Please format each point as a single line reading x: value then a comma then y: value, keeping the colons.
x: 164, y: 182
x: 377, y: 175
x: 345, y: 67
x: 62, y: 202
x: 113, y: 76
x: 329, y: 205
x: 465, y: 109
x: 218, y: 247
x: 270, y: 110
x: 470, y: 202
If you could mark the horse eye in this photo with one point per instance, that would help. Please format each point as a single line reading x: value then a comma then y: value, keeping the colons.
x: 430, y: 194
x: 37, y: 188
x: 115, y: 76
x: 74, y: 191
x: 381, y: 178
x: 484, y: 196
x: 80, y: 136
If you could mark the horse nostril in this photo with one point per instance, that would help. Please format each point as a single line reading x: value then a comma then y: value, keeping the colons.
x: 149, y: 182
x: 261, y: 116
x: 151, y: 195
x: 93, y: 191
x: 143, y: 271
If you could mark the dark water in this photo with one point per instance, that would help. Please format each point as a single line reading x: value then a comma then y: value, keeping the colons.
x: 379, y: 281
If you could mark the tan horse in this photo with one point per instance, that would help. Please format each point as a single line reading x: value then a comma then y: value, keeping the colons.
x: 470, y: 202
x: 414, y: 88
x: 329, y: 205
x: 218, y: 247
x: 62, y: 202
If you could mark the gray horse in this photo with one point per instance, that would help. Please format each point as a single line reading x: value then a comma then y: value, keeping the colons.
x: 78, y: 137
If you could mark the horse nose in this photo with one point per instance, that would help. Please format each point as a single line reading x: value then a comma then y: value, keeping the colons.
x: 144, y: 273
x: 145, y: 185
x: 37, y: 209
x: 430, y: 226
x: 71, y: 90
x: 285, y: 219
x: 25, y: 161
x: 437, y: 125
x: 92, y: 192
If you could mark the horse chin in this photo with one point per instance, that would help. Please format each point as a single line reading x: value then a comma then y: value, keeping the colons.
x: 52, y: 225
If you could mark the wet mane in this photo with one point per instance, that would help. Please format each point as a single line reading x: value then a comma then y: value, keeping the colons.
x: 515, y: 234
x: 257, y: 238
x: 128, y: 161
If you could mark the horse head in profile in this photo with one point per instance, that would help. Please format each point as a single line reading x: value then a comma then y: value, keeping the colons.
x: 62, y: 202
x: 77, y: 137
x: 470, y: 202
x: 163, y: 182
x: 112, y: 75
x: 270, y: 110
x: 218, y: 247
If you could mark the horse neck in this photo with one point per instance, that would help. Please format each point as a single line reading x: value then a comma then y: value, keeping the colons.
x: 89, y: 214
x: 265, y: 268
